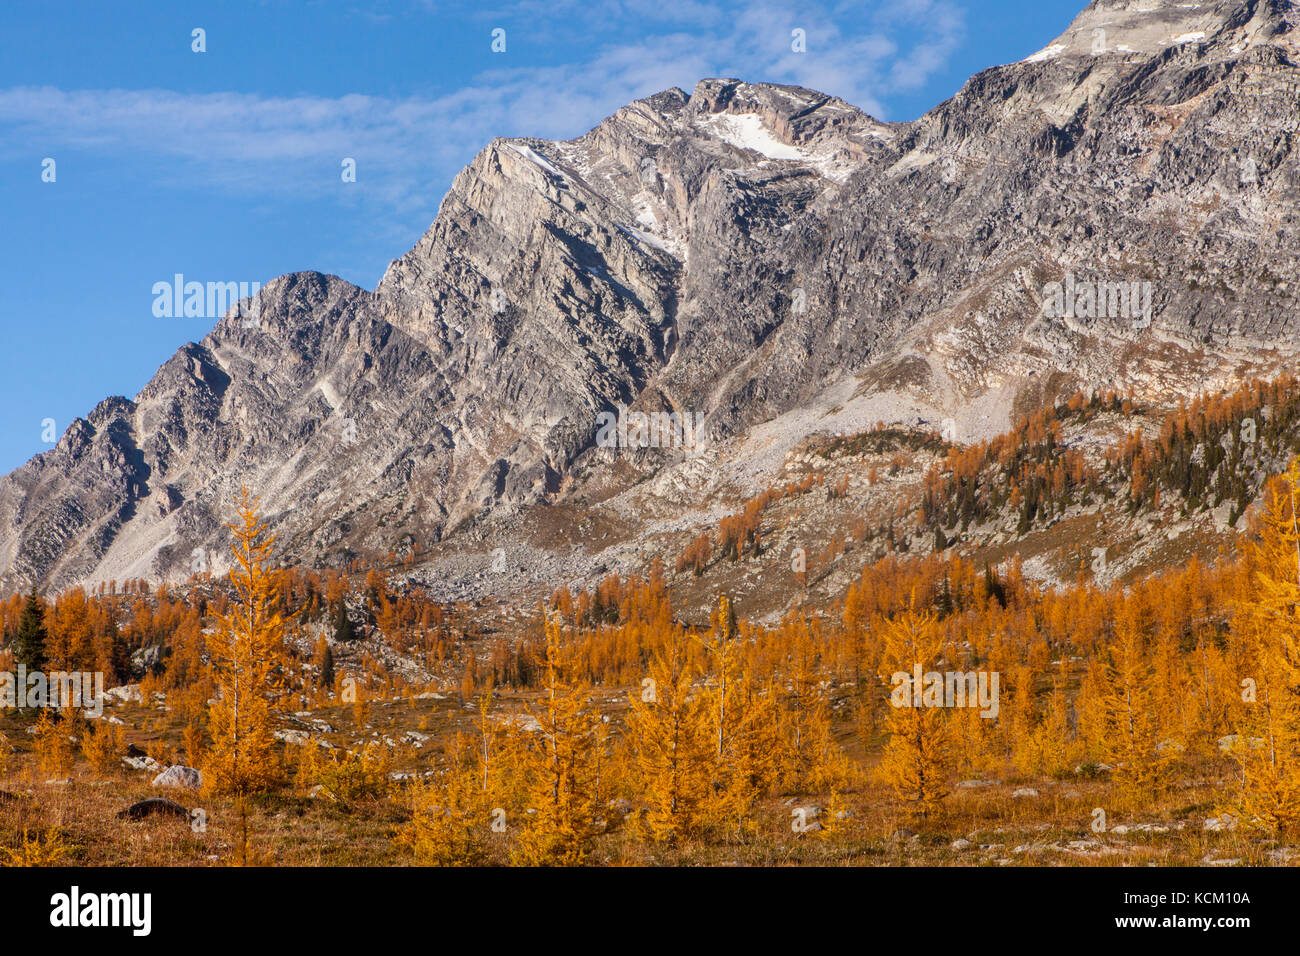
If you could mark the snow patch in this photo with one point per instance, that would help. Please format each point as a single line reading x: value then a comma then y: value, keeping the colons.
x: 1190, y: 37
x: 531, y: 154
x: 748, y: 132
x: 1056, y: 49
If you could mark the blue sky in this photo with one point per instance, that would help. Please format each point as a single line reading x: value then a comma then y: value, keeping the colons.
x: 225, y: 165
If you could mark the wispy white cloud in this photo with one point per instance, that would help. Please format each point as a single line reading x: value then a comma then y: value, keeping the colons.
x: 407, y: 148
x: 945, y: 28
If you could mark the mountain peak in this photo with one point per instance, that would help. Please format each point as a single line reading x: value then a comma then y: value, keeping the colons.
x: 1108, y: 28
x: 765, y: 259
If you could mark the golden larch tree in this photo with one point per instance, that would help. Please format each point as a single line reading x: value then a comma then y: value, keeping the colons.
x: 742, y: 723
x: 671, y: 741
x: 1267, y: 744
x: 451, y: 814
x: 246, y: 649
x: 1131, y: 716
x: 918, y: 757
x: 560, y: 765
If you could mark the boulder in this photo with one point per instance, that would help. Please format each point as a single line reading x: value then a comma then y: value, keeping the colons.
x: 154, y: 807
x: 525, y: 722
x: 126, y: 693
x: 178, y: 777
x: 147, y: 659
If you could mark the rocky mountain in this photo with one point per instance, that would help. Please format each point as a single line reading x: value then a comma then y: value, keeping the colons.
x: 767, y: 260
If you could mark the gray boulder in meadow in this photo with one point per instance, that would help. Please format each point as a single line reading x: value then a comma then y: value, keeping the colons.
x: 178, y: 777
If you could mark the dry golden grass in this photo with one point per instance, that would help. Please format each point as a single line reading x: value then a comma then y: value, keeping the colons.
x: 77, y: 823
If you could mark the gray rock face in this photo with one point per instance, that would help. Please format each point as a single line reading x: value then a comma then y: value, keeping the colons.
x: 733, y: 254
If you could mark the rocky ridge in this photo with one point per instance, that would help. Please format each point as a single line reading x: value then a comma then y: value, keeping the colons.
x: 768, y: 258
